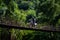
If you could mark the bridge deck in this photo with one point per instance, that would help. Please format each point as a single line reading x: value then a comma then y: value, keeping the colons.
x: 27, y: 28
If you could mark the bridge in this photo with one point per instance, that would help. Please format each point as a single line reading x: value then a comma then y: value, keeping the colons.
x: 43, y: 28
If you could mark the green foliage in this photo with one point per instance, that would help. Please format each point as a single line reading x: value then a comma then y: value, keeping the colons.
x: 6, y: 1
x: 23, y: 5
x: 45, y: 11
